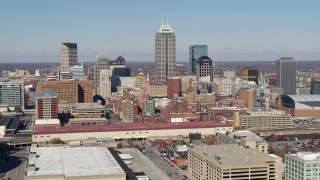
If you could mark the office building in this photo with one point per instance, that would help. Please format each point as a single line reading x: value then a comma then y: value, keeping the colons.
x: 302, y: 166
x: 12, y: 94
x: 204, y: 68
x: 165, y: 53
x: 102, y: 62
x: 120, y: 62
x: 287, y: 75
x: 230, y: 162
x: 250, y: 74
x: 66, y: 162
x: 315, y: 87
x: 68, y: 56
x: 69, y: 91
x: 46, y: 105
x: 117, y: 73
x: 249, y: 95
x: 173, y: 87
x: 195, y: 52
x: 105, y: 83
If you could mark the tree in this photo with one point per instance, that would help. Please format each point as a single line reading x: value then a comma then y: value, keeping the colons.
x: 56, y: 141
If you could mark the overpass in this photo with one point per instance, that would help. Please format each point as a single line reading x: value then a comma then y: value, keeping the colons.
x: 287, y: 131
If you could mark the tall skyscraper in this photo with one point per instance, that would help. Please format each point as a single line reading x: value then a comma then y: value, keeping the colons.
x: 287, y: 75
x: 165, y: 53
x: 195, y: 52
x: 68, y: 56
x: 204, y: 67
x: 102, y: 62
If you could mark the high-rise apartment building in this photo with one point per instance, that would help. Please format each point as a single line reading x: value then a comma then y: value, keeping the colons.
x: 195, y: 52
x: 287, y: 75
x: 204, y: 67
x: 230, y: 162
x: 102, y: 62
x: 173, y: 87
x: 165, y: 53
x: 105, y: 83
x: 69, y: 91
x: 250, y: 74
x: 302, y: 166
x: 68, y: 56
x: 12, y: 94
x: 46, y: 105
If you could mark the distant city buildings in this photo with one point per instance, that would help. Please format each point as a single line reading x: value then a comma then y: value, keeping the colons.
x: 250, y: 74
x: 287, y: 75
x: 102, y: 62
x: 173, y: 87
x: 68, y: 56
x: 195, y: 52
x: 165, y: 53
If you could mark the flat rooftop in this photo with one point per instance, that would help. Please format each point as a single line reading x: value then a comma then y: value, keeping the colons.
x: 233, y: 155
x: 307, y: 156
x: 126, y: 127
x: 73, y: 161
x: 245, y: 135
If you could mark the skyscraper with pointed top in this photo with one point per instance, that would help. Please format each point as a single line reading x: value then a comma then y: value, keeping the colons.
x: 165, y: 53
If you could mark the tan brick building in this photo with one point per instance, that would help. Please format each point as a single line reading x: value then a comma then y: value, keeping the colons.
x: 69, y: 91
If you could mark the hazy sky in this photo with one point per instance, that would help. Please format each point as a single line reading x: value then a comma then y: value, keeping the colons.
x: 31, y: 31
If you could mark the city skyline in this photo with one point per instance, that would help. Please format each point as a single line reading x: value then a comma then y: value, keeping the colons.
x: 233, y: 31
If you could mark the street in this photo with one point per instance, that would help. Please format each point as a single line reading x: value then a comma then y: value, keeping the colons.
x: 16, y: 164
x: 172, y: 171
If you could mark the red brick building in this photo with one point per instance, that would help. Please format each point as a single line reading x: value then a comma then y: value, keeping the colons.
x: 173, y: 87
x: 46, y: 105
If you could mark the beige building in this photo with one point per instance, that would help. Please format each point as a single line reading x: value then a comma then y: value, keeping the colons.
x: 102, y: 62
x: 249, y: 96
x: 105, y: 83
x: 158, y: 91
x: 269, y: 118
x: 66, y: 163
x: 229, y: 162
x: 87, y: 110
x: 141, y: 79
x: 68, y: 56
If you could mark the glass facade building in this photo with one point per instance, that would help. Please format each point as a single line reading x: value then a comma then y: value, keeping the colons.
x: 287, y: 75
x: 195, y: 52
x: 12, y: 94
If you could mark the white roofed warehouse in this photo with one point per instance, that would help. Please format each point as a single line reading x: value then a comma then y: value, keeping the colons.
x: 64, y: 162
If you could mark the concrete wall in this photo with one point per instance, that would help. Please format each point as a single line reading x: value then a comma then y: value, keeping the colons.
x: 129, y: 134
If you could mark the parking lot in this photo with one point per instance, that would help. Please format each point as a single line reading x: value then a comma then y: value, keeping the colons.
x: 141, y: 163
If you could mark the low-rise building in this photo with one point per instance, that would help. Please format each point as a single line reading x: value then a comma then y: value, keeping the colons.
x: 244, y: 138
